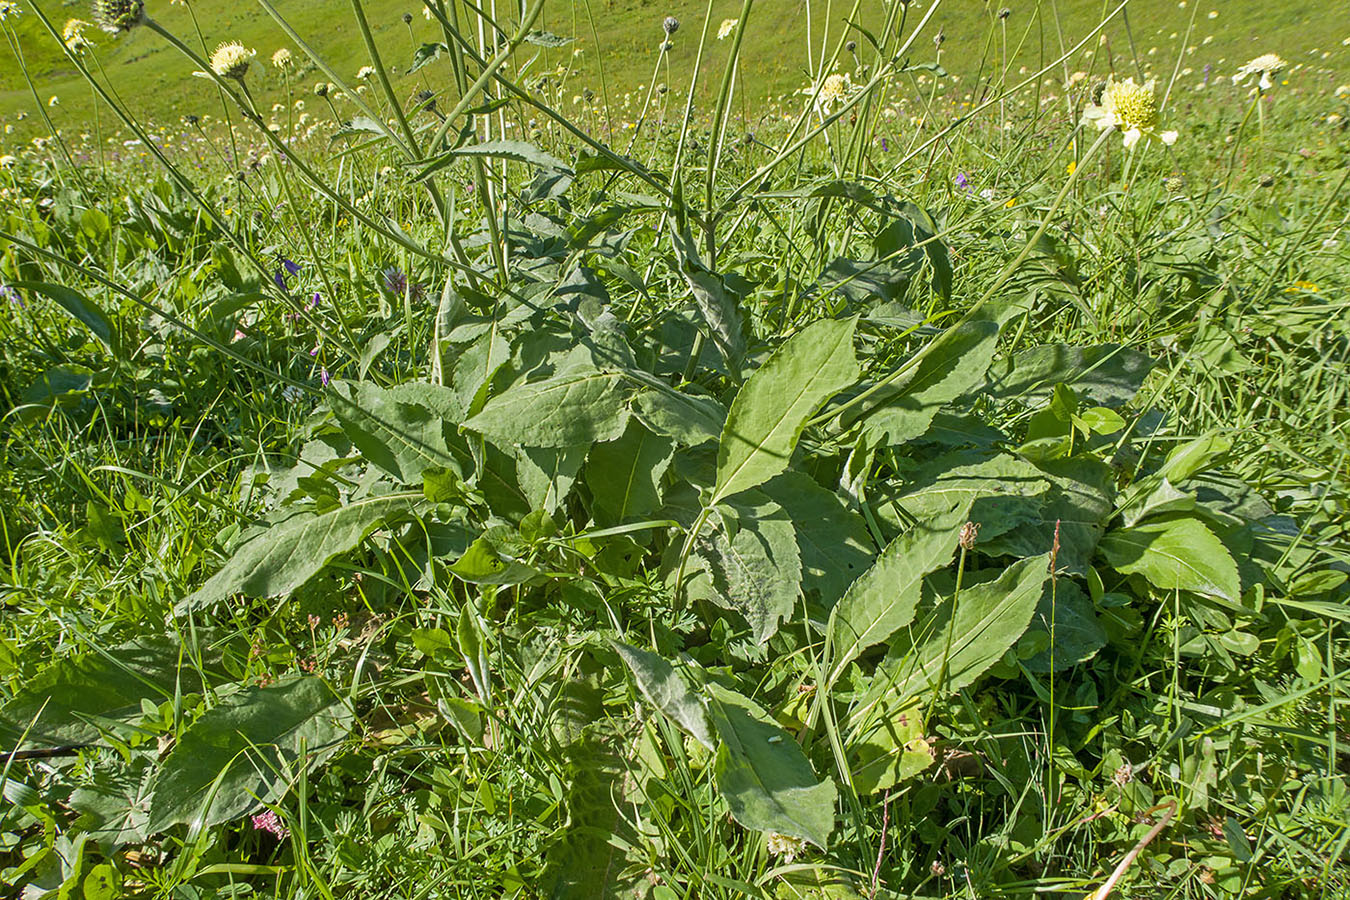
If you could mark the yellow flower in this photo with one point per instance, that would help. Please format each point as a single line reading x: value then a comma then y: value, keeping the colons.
x: 1265, y: 65
x: 834, y: 89
x: 74, y: 37
x: 1012, y: 201
x: 9, y: 9
x: 726, y: 28
x: 1309, y: 286
x: 282, y: 58
x: 231, y: 60
x: 1131, y: 108
x: 1072, y: 166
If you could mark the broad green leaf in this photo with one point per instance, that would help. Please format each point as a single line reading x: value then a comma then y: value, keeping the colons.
x: 894, y: 750
x: 473, y: 371
x: 247, y: 751
x: 547, y: 474
x: 756, y: 570
x: 668, y: 689
x: 65, y: 701
x: 883, y: 599
x: 1067, y: 617
x: 1175, y: 554
x: 625, y: 475
x: 517, y: 151
x: 279, y: 559
x: 1076, y: 509
x: 482, y: 564
x: 763, y: 773
x: 80, y: 308
x: 833, y: 540
x: 1108, y: 374
x: 115, y: 805
x: 401, y: 430
x: 989, y: 618
x: 1004, y: 492
x: 715, y: 303
x: 688, y: 419
x: 568, y: 410
x: 771, y: 409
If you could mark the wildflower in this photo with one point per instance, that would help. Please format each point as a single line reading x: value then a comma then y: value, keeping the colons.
x: 726, y: 28
x: 291, y: 394
x: 8, y: 162
x: 8, y: 9
x: 231, y: 60
x: 270, y: 822
x: 6, y: 291
x: 785, y: 846
x: 1265, y: 65
x: 314, y: 301
x: 54, y: 100
x: 74, y: 37
x: 365, y: 73
x: 962, y: 181
x: 1131, y: 108
x: 321, y: 89
x: 282, y: 59
x: 670, y: 25
x: 1123, y: 775
x: 324, y: 377
x: 834, y: 89
x: 119, y: 15
x: 426, y: 13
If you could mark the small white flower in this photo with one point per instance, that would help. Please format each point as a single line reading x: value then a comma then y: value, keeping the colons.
x: 291, y: 394
x: 785, y: 846
x: 365, y: 73
x: 726, y: 28
x: 1132, y: 109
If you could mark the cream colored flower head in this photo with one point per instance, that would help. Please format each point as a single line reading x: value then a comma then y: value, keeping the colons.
x: 1265, y: 65
x: 75, y: 36
x: 231, y: 60
x: 786, y: 846
x: 1131, y: 108
x: 726, y: 28
x: 366, y: 72
x: 9, y: 10
x: 836, y: 88
x: 282, y: 59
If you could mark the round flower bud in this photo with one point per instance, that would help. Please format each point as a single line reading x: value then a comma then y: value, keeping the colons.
x: 671, y: 25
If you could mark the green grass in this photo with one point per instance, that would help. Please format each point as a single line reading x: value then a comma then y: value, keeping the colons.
x: 517, y: 650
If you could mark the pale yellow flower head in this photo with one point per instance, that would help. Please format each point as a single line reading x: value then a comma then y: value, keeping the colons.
x: 836, y: 88
x: 786, y: 846
x: 75, y: 36
x: 9, y: 10
x: 1132, y: 109
x: 1265, y: 65
x: 282, y: 59
x: 726, y: 28
x: 231, y: 60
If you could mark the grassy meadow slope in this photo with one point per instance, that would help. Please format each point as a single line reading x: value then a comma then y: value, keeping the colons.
x: 616, y: 45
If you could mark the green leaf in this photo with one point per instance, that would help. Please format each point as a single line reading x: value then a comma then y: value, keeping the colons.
x: 546, y: 39
x: 400, y: 430
x: 989, y: 618
x: 772, y: 408
x: 247, y: 751
x: 688, y: 419
x: 518, y: 151
x: 625, y: 475
x: 1108, y: 374
x: 715, y: 303
x: 763, y: 773
x: 668, y: 689
x: 833, y: 541
x: 115, y: 806
x: 65, y: 701
x: 568, y: 410
x: 755, y: 568
x: 81, y: 308
x: 1175, y: 554
x: 1076, y: 508
x: 1067, y: 617
x: 884, y: 598
x: 895, y: 750
x: 279, y: 559
x: 1003, y: 491
x: 482, y: 564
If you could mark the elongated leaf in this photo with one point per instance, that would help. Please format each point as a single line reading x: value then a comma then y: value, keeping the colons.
x: 1005, y: 491
x: 715, y: 303
x: 763, y: 773
x: 883, y: 599
x: 1067, y: 617
x: 770, y: 411
x: 518, y: 151
x: 895, y: 750
x: 625, y: 475
x: 567, y: 410
x: 1177, y: 554
x: 1108, y: 374
x: 989, y: 618
x: 668, y: 689
x: 80, y: 307
x: 247, y: 751
x: 401, y: 430
x: 66, y: 700
x: 285, y: 556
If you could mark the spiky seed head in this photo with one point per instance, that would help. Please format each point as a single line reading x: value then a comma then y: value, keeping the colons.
x: 231, y: 60
x: 119, y: 15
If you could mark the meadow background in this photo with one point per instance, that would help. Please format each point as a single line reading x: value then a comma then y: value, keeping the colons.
x: 785, y: 453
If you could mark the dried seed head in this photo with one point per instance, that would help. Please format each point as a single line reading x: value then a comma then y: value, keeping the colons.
x: 119, y: 15
x: 670, y: 25
x: 1004, y: 13
x: 969, y: 532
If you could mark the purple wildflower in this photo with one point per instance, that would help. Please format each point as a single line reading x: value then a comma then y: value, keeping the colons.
x: 885, y: 147
x: 288, y: 267
x: 11, y: 295
x: 270, y: 822
x: 394, y: 281
x: 314, y: 301
x: 962, y: 181
x: 323, y: 377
